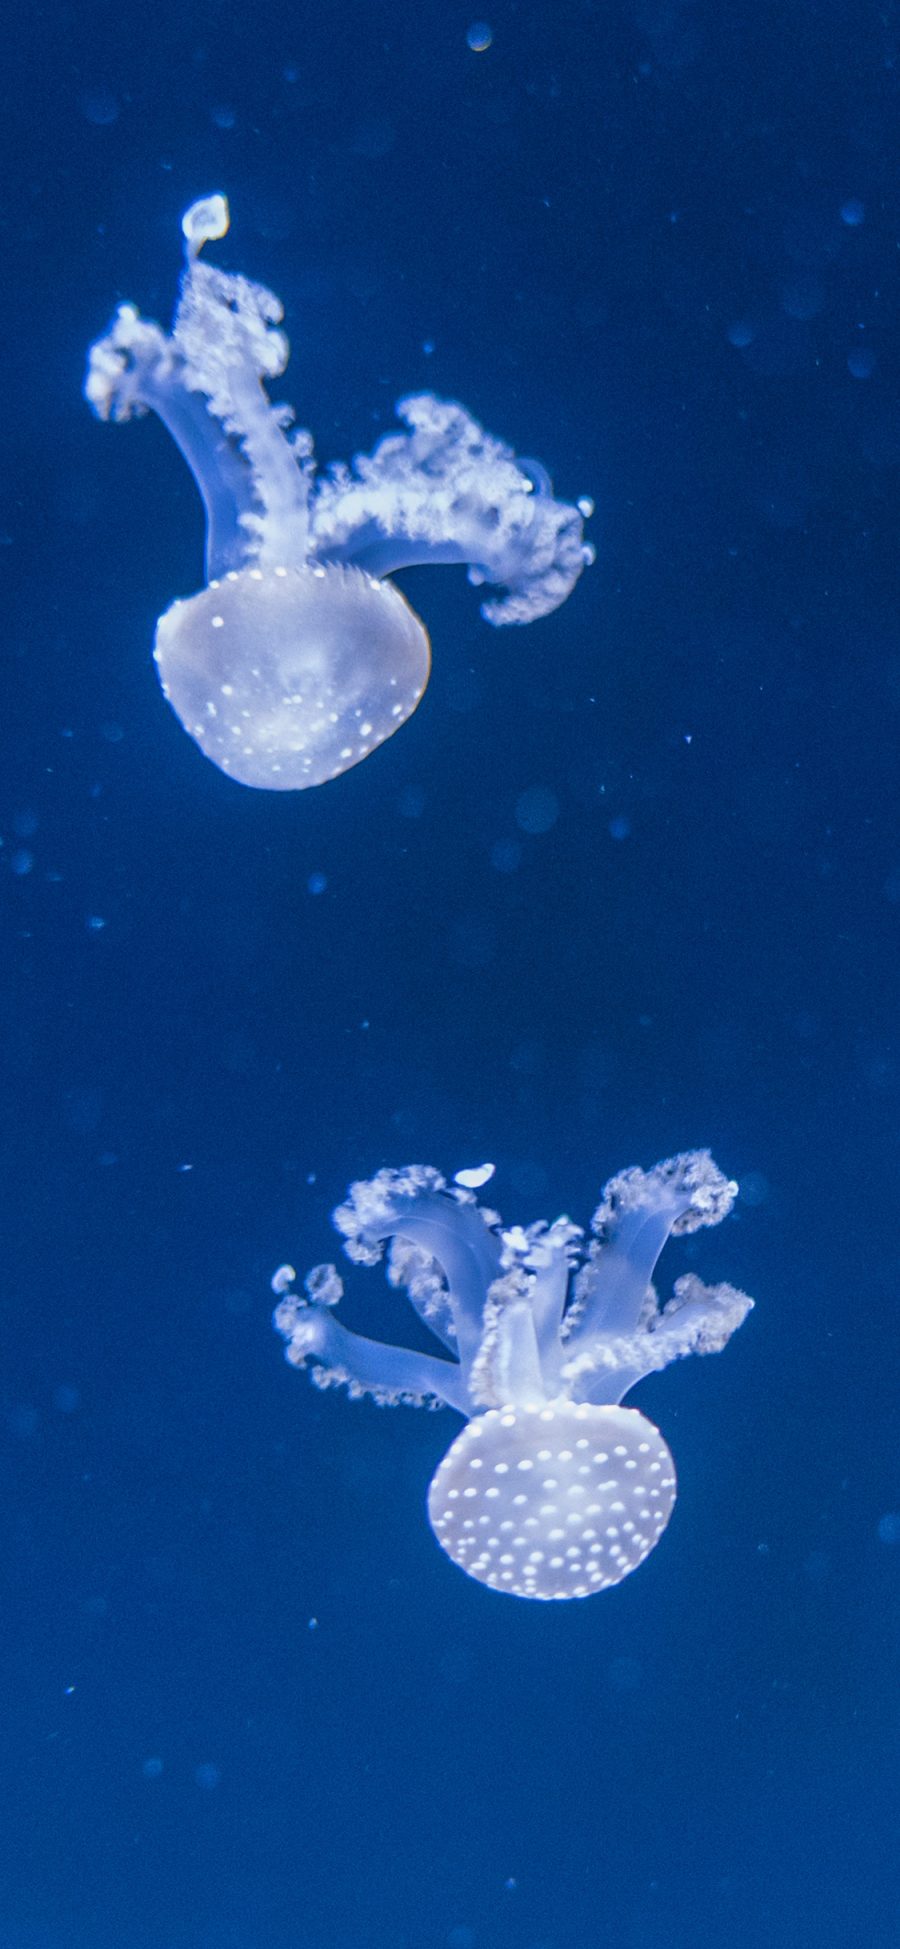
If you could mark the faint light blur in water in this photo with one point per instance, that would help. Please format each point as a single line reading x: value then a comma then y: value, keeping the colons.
x: 537, y: 809
x: 479, y: 37
x: 755, y: 1188
x: 861, y: 362
x: 100, y: 106
x: 803, y: 296
x: 506, y: 855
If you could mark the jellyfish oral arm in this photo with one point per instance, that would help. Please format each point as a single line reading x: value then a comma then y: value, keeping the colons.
x: 132, y: 371
x: 639, y: 1211
x: 548, y: 1295
x: 508, y: 1366
x: 222, y: 472
x: 204, y: 382
x: 538, y: 571
x: 698, y: 1319
x: 342, y: 1358
x: 451, y: 1230
x: 447, y: 491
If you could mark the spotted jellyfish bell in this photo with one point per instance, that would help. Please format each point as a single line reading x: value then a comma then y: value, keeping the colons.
x: 288, y: 676
x: 553, y: 1501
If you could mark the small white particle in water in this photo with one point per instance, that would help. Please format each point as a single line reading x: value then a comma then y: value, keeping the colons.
x: 475, y: 1177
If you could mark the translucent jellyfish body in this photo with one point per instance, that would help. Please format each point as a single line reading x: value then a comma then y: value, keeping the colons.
x: 552, y: 1489
x: 299, y: 657
x: 315, y: 705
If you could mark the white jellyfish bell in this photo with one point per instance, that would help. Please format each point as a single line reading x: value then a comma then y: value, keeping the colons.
x: 552, y: 1489
x: 556, y: 1500
x: 299, y: 657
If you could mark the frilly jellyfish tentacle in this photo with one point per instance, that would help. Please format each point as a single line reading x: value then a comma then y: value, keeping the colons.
x: 638, y: 1211
x: 522, y: 1377
x: 299, y: 658
x: 447, y: 491
x: 448, y: 1225
x: 508, y: 1366
x: 204, y: 383
x: 132, y: 371
x: 549, y: 1292
x: 698, y: 1319
x: 553, y: 1489
x: 225, y: 330
x: 388, y: 1374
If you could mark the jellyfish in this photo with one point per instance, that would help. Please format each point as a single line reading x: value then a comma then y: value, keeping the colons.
x: 552, y: 1489
x: 300, y: 655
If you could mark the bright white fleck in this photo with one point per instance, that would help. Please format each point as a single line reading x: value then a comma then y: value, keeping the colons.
x: 474, y: 1178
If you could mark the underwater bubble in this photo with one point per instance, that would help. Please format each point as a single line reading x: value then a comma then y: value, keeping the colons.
x: 537, y: 809
x: 803, y: 296
x: 100, y: 106
x: 861, y: 362
x: 506, y: 855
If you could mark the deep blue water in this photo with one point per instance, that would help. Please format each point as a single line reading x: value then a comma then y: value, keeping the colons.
x: 247, y: 1702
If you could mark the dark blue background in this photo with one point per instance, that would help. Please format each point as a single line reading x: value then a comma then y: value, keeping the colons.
x: 621, y: 229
